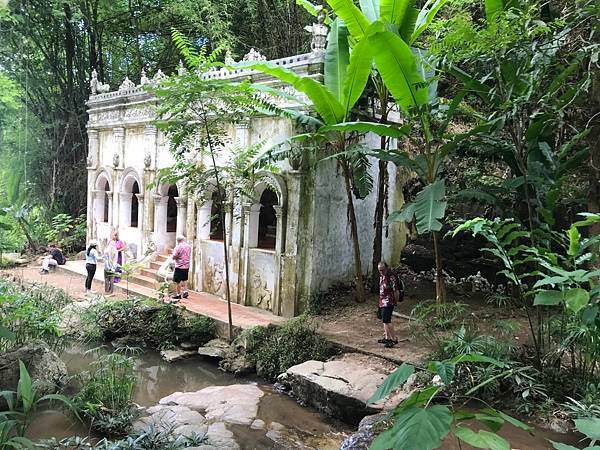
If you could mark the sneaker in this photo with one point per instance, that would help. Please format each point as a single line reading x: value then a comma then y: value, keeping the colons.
x: 389, y: 344
x: 186, y: 294
x: 44, y: 272
x: 382, y: 341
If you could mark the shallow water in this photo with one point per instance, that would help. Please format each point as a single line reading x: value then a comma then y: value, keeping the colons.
x: 158, y: 378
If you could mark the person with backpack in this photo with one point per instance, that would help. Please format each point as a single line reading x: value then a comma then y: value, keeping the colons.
x: 391, y: 291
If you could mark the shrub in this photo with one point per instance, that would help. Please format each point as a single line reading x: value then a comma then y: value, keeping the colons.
x: 106, y: 396
x: 160, y: 326
x: 67, y: 232
x: 30, y: 312
x: 276, y: 349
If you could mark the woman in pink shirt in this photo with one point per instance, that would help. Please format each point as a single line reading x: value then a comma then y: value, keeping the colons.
x: 181, y: 255
x: 119, y: 248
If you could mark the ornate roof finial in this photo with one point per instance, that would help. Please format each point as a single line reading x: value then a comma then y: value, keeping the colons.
x: 254, y: 55
x: 143, y: 78
x: 159, y: 76
x: 126, y: 84
x: 94, y: 82
x: 181, y: 68
x: 229, y: 61
x: 319, y: 32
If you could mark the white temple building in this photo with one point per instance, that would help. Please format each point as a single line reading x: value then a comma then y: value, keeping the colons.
x: 288, y: 243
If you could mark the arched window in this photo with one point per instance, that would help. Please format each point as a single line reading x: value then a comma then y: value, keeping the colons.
x: 216, y: 225
x: 106, y: 201
x: 172, y: 209
x: 135, y: 205
x: 267, y: 220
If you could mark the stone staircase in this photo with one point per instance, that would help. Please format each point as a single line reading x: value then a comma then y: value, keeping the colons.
x: 147, y: 277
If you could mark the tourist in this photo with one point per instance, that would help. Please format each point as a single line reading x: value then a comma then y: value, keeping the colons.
x: 181, y: 256
x: 118, y: 254
x: 91, y: 260
x: 390, y: 293
x: 54, y: 258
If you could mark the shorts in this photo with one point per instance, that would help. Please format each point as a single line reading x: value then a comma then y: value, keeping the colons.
x: 180, y: 275
x: 385, y: 314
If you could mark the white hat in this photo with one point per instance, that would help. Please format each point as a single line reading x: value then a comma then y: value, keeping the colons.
x: 93, y: 242
x: 180, y: 238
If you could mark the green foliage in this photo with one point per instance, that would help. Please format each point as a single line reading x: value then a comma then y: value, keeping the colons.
x: 418, y: 424
x: 158, y: 325
x: 551, y: 278
x: 30, y: 312
x: 150, y: 439
x: 22, y: 406
x: 588, y: 427
x: 588, y: 406
x: 106, y: 395
x: 276, y: 349
x: 68, y: 233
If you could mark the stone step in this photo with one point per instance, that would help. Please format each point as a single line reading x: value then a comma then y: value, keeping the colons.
x: 155, y: 265
x: 149, y: 273
x: 143, y: 281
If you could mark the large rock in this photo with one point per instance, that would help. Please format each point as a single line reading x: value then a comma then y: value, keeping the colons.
x: 365, y: 435
x: 236, y: 404
x: 44, y: 366
x: 217, y: 348
x: 341, y: 387
x: 177, y: 354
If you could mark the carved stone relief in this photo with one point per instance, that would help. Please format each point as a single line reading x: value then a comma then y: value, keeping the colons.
x: 260, y: 293
x: 214, y: 280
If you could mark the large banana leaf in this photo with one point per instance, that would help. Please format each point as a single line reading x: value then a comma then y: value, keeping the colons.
x: 366, y: 127
x: 425, y: 17
x: 394, y: 11
x: 357, y: 74
x: 337, y: 58
x: 330, y: 110
x: 370, y: 8
x: 398, y: 69
x: 428, y: 208
x: 354, y: 19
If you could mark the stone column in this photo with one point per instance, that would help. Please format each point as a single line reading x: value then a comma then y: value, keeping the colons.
x: 150, y: 133
x: 252, y: 212
x: 141, y: 210
x: 93, y: 158
x: 125, y: 209
x: 242, y: 134
x: 119, y: 155
x: 160, y: 215
x: 109, y: 196
x: 90, y: 225
x: 98, y: 209
x: 279, y: 251
x: 203, y: 220
x: 181, y: 216
x: 280, y: 230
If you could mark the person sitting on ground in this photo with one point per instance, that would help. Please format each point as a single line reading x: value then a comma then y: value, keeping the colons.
x: 181, y: 256
x: 390, y: 293
x: 54, y: 258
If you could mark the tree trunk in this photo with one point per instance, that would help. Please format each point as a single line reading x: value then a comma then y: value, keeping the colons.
x: 382, y: 193
x: 379, y: 211
x: 360, y: 286
x: 440, y: 288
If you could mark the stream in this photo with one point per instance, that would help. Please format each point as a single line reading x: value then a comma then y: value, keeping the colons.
x: 158, y: 378
x: 307, y: 428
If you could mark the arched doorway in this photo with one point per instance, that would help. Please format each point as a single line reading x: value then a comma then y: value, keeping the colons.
x: 267, y: 220
x: 135, y: 204
x: 172, y: 193
x: 105, y: 208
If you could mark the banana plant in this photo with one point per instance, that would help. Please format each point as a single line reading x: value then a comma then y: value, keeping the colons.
x: 345, y: 77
